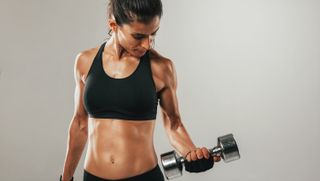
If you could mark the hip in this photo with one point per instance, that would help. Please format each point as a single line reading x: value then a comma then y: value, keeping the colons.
x: 154, y: 174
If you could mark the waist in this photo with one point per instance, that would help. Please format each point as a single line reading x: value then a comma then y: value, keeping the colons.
x: 151, y: 174
x: 107, y: 135
x: 119, y: 148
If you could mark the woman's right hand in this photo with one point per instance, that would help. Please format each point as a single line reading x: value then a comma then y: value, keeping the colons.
x: 200, y: 160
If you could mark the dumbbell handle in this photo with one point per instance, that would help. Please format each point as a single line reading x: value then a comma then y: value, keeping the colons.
x: 214, y: 151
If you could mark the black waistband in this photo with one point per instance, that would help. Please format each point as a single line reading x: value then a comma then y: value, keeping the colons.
x: 154, y: 174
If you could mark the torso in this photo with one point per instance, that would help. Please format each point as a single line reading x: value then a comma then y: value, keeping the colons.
x: 121, y: 148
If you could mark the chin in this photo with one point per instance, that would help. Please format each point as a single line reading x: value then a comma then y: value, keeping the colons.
x: 138, y: 53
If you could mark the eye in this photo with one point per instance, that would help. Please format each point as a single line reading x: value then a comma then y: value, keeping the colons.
x: 137, y: 37
x: 141, y: 37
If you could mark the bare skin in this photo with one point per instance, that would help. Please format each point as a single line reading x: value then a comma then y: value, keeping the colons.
x: 120, y: 148
x: 123, y: 148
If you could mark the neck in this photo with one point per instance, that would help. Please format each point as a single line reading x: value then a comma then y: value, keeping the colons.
x: 116, y: 49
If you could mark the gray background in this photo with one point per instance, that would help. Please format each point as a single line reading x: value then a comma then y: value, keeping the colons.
x: 250, y: 67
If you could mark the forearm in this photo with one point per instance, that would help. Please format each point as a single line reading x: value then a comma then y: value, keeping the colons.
x: 77, y: 139
x: 180, y: 139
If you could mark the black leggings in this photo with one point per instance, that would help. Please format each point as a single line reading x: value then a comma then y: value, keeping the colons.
x: 154, y: 174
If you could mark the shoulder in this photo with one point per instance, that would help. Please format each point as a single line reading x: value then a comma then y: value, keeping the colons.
x: 163, y: 70
x: 161, y: 63
x: 84, y: 60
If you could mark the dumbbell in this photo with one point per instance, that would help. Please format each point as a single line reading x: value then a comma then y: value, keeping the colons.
x: 227, y: 148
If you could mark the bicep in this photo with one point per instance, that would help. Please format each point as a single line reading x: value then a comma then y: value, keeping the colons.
x: 168, y: 98
x: 169, y: 102
x: 80, y: 113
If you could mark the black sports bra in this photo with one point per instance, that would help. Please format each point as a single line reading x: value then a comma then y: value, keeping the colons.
x: 133, y: 97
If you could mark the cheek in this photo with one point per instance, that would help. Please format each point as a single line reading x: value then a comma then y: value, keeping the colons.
x: 128, y: 42
x: 129, y: 45
x: 132, y: 42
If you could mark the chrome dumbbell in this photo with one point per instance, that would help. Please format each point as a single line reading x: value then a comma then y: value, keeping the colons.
x: 227, y: 148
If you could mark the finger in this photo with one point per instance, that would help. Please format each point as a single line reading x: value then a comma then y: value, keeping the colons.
x: 205, y: 152
x: 216, y: 158
x: 199, y: 153
x: 193, y: 155
x: 188, y: 157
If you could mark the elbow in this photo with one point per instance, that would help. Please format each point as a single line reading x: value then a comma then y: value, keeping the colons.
x: 174, y: 121
x: 78, y: 134
x: 79, y: 125
x: 83, y: 126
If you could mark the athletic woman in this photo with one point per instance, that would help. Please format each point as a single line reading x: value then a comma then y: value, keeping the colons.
x: 119, y: 85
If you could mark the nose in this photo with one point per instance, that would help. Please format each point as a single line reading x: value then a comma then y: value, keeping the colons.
x: 147, y: 42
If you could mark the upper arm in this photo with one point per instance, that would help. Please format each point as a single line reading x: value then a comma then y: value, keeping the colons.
x: 80, y: 115
x: 168, y: 97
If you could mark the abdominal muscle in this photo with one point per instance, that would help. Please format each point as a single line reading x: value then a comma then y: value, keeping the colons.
x: 120, y: 148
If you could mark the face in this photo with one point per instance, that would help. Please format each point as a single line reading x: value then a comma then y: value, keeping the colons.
x: 136, y: 38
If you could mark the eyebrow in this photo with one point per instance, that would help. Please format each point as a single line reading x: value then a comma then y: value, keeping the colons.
x: 141, y: 34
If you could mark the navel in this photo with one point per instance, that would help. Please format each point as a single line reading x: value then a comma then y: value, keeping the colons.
x: 112, y: 160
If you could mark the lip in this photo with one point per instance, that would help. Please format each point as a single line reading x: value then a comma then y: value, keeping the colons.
x: 141, y: 52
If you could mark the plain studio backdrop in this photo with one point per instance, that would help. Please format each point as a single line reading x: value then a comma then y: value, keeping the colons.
x: 251, y: 68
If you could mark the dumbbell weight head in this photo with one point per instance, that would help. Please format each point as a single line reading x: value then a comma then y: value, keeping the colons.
x: 172, y: 164
x: 229, y: 147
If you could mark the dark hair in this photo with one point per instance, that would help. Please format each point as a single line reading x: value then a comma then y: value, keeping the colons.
x: 127, y: 11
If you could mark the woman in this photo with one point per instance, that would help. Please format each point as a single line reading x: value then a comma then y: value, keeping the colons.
x: 118, y: 85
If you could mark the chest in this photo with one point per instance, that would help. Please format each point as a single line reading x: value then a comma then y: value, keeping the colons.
x: 123, y: 70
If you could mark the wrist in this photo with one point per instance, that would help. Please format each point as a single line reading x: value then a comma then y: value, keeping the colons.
x: 64, y: 180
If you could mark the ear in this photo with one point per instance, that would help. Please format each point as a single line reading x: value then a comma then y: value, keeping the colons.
x: 112, y: 24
